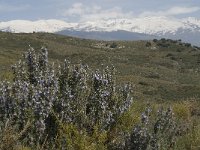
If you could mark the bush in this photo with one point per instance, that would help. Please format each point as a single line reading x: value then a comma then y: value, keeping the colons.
x: 187, y: 44
x: 50, y: 97
x: 155, y: 40
x: 163, y: 44
x: 163, y: 40
x: 73, y: 107
x: 113, y: 45
x: 148, y: 44
x: 182, y: 111
x: 154, y: 134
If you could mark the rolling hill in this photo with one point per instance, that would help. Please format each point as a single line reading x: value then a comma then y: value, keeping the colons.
x: 160, y: 69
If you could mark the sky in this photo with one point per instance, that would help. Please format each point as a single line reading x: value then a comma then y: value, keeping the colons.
x: 89, y: 10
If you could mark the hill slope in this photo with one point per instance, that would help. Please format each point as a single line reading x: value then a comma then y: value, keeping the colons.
x: 160, y: 70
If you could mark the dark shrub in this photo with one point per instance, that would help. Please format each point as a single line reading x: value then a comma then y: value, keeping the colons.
x: 155, y: 40
x: 113, y: 45
x: 148, y: 44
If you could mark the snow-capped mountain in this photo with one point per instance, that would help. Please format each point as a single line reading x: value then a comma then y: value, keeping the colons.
x: 186, y: 29
x: 25, y: 26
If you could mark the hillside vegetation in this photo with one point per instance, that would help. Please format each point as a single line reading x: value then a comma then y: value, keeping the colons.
x: 160, y: 70
x: 86, y: 94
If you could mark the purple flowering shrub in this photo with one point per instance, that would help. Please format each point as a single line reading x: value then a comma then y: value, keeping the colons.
x: 154, y: 134
x: 61, y: 101
x: 72, y: 94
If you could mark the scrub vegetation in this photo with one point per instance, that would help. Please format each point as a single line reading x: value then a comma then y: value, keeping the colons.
x: 86, y: 94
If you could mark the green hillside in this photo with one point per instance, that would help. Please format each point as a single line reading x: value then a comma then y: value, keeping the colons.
x: 160, y: 70
x: 76, y: 108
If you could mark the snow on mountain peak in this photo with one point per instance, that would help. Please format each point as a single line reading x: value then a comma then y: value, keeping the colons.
x: 148, y: 25
x: 192, y: 20
x: 24, y: 26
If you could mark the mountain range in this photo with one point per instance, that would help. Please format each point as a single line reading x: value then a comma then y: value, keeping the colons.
x: 187, y: 29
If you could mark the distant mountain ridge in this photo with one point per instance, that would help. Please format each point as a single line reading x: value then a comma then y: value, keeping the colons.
x: 108, y: 35
x: 187, y: 29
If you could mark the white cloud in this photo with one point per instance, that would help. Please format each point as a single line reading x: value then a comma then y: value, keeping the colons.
x: 182, y: 10
x: 78, y: 9
x: 115, y: 12
x: 172, y: 11
x: 94, y: 12
x: 11, y: 8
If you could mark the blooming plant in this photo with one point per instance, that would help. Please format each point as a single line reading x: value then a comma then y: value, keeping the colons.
x: 61, y: 105
x: 155, y: 134
x: 71, y: 94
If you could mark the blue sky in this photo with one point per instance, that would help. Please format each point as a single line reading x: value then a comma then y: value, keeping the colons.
x: 84, y: 10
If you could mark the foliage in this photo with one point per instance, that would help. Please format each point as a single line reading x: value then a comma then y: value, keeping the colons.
x: 148, y: 44
x: 67, y: 106
x: 191, y: 139
x: 132, y: 59
x: 70, y: 94
x: 113, y: 45
x: 154, y: 134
